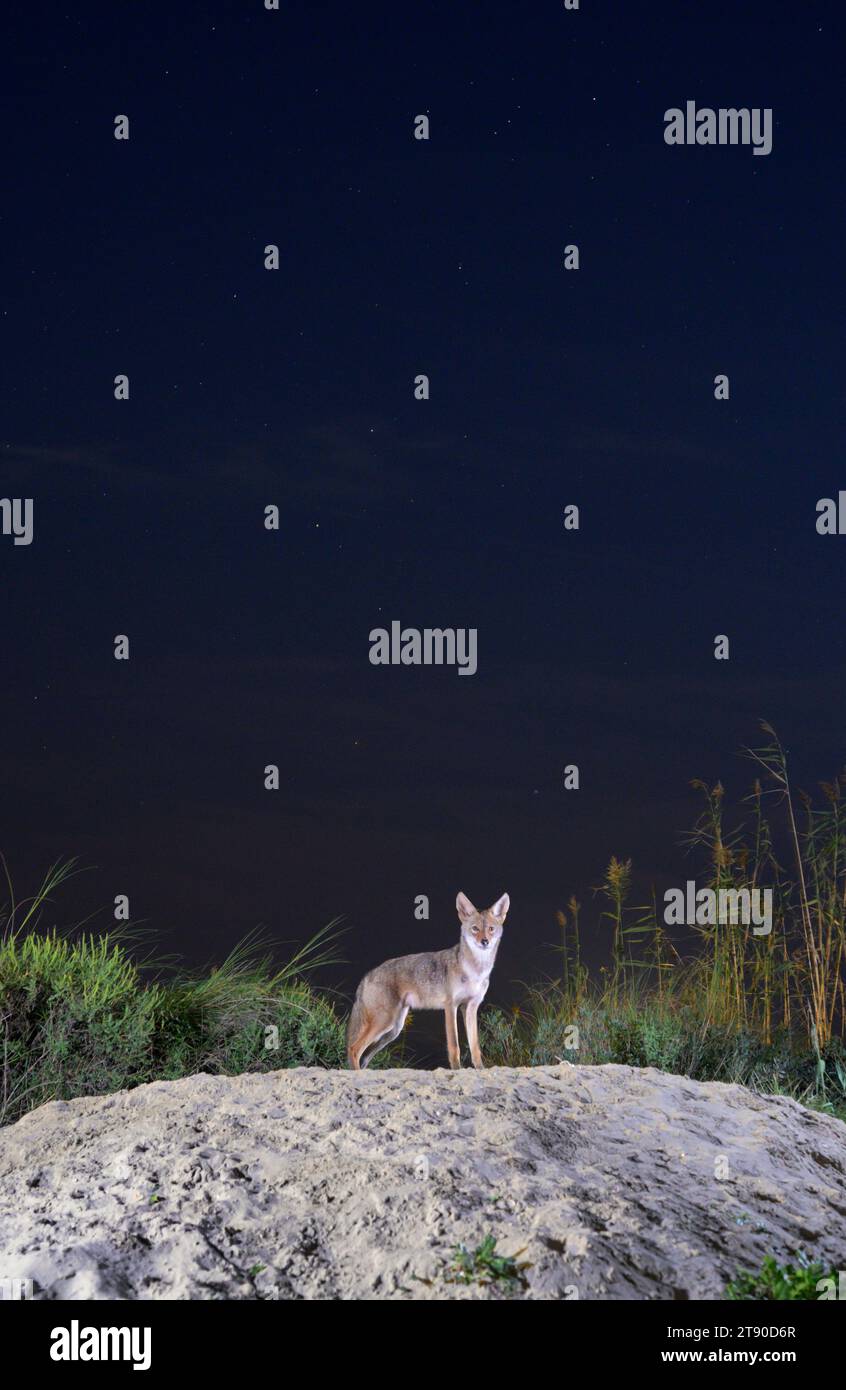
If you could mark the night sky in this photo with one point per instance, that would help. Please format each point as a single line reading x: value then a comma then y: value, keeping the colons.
x: 295, y: 387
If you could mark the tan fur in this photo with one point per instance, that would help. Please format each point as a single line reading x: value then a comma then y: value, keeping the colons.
x: 450, y: 980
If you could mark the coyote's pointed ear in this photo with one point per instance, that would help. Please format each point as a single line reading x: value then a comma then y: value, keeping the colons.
x: 501, y: 906
x: 465, y: 907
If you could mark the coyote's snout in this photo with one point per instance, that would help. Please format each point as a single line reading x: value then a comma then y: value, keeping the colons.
x: 448, y: 980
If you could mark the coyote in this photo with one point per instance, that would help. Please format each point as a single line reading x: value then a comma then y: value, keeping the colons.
x: 457, y: 977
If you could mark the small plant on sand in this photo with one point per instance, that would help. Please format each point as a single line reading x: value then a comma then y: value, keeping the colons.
x: 779, y: 1283
x: 483, y: 1265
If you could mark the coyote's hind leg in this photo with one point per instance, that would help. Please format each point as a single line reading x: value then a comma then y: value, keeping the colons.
x: 362, y: 1031
x: 391, y: 1033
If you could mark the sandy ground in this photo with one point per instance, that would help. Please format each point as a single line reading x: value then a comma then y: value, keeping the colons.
x: 603, y: 1182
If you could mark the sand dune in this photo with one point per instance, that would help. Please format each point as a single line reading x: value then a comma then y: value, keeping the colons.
x: 604, y: 1182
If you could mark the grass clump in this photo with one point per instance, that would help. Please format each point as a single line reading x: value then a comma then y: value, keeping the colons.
x: 672, y: 1034
x: 80, y: 1017
x: 763, y: 1008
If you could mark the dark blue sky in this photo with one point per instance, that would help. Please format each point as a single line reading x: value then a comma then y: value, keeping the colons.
x: 294, y: 387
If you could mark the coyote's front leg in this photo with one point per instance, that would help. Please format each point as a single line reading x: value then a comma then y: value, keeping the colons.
x: 451, y: 1014
x: 471, y: 1026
